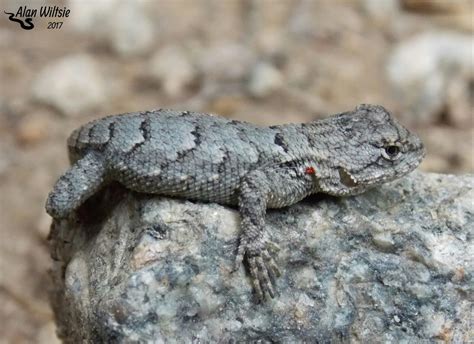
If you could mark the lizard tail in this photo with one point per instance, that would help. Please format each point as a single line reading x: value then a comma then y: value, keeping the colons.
x: 82, y: 180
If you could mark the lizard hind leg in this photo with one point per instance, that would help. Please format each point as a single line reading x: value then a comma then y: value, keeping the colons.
x: 82, y: 180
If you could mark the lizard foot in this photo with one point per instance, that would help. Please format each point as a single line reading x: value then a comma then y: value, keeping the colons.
x: 243, y: 248
x: 262, y: 266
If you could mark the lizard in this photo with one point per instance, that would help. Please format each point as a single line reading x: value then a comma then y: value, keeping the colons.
x: 208, y: 158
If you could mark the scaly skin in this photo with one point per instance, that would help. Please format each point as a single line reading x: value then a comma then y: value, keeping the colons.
x: 207, y: 158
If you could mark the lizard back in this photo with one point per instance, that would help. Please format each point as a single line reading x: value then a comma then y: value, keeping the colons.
x: 186, y: 154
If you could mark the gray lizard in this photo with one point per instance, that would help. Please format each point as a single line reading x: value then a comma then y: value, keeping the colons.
x: 209, y: 158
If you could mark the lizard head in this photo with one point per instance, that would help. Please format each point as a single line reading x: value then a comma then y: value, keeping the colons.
x: 373, y: 149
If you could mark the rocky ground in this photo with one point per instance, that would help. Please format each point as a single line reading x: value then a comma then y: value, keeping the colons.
x: 261, y: 61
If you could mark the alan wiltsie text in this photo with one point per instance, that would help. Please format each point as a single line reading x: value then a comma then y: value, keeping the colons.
x: 208, y: 158
x: 44, y: 11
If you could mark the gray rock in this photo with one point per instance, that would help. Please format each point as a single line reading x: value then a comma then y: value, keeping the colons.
x: 393, y: 265
x: 430, y: 73
x: 73, y: 84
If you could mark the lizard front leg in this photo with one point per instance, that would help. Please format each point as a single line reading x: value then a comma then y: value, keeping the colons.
x: 275, y: 186
x: 253, y: 247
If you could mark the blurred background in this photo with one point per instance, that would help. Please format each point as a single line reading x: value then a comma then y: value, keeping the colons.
x: 268, y: 62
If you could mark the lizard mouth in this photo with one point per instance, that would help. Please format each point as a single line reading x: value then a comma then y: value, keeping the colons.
x: 346, y: 178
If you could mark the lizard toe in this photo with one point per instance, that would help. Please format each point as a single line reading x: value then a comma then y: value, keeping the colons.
x: 254, y: 274
x: 272, y: 265
x: 266, y: 283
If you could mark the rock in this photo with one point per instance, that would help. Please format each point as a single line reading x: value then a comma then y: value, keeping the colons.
x: 264, y: 80
x: 423, y: 70
x: 394, y: 264
x: 72, y: 84
x: 172, y: 69
x: 123, y: 25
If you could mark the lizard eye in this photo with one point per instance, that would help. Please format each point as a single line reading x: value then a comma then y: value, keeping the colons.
x: 391, y: 152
